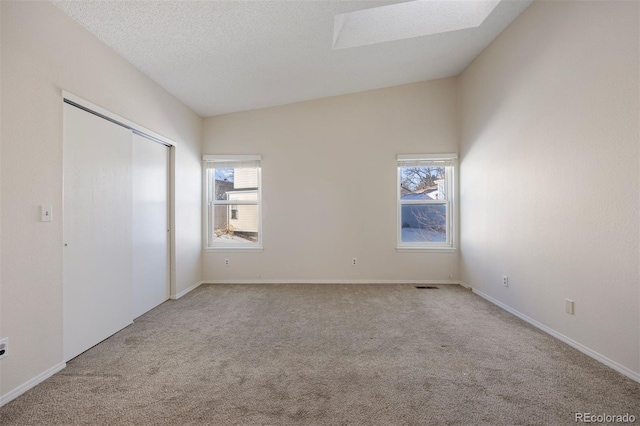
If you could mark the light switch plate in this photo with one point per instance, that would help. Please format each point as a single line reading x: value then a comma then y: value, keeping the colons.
x: 46, y: 213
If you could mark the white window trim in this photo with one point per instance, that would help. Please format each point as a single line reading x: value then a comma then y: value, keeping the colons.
x: 235, y: 158
x: 238, y: 247
x: 451, y: 205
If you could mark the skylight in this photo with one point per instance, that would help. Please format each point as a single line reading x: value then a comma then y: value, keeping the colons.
x: 407, y: 20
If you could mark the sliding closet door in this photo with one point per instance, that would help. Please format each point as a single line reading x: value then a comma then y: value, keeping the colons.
x: 97, y: 257
x: 150, y: 224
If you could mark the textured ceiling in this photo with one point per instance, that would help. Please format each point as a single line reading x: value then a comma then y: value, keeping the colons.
x: 226, y: 56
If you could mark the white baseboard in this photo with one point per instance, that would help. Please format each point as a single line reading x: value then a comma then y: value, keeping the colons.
x: 187, y: 290
x: 332, y: 281
x: 4, y: 399
x: 585, y: 350
x: 465, y: 285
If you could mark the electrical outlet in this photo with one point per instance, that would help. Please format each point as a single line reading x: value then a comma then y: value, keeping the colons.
x: 568, y: 306
x: 4, y: 347
x: 505, y: 281
x: 354, y: 261
x: 226, y: 262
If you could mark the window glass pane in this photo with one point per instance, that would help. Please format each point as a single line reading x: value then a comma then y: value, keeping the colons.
x: 422, y: 223
x: 232, y: 180
x: 235, y: 224
x: 422, y: 183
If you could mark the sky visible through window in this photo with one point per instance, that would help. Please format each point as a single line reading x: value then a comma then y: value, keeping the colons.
x: 224, y: 174
x: 419, y: 179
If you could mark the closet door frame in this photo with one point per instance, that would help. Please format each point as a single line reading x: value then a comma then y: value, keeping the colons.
x: 92, y: 108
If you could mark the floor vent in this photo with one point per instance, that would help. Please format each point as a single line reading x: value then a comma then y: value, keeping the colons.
x: 426, y: 287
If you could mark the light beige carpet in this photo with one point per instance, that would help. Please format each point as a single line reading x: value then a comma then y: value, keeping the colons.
x: 326, y: 355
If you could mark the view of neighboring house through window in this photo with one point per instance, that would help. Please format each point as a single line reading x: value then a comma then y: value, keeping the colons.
x: 233, y: 201
x: 425, y: 201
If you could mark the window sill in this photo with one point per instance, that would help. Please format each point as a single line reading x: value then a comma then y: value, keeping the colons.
x: 232, y: 249
x: 426, y: 249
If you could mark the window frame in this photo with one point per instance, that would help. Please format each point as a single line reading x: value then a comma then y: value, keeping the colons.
x: 449, y: 161
x: 210, y: 201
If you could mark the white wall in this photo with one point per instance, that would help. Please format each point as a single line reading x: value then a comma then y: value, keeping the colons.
x: 44, y: 52
x: 329, y: 183
x: 549, y: 172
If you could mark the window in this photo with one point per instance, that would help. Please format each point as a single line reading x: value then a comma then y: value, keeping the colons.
x: 233, y: 201
x: 426, y: 201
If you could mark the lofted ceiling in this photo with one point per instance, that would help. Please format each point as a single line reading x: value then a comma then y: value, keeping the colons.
x: 226, y: 56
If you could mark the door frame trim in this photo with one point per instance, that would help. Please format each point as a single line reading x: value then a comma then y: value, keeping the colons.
x: 92, y: 108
